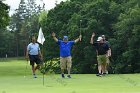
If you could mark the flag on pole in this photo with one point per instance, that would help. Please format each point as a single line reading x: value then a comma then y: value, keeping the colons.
x: 40, y: 38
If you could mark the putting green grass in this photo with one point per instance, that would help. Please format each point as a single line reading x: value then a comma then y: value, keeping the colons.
x: 12, y: 80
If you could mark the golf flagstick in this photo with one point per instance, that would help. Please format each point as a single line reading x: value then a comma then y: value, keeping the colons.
x: 43, y: 66
x: 41, y: 40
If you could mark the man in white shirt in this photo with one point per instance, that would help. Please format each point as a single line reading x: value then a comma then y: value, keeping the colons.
x: 34, y: 54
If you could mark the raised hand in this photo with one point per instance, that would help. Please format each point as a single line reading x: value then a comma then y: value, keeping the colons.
x: 53, y: 34
x: 80, y: 37
x: 93, y: 34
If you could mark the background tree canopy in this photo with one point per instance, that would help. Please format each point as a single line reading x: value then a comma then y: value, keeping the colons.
x: 119, y: 20
x: 4, y: 19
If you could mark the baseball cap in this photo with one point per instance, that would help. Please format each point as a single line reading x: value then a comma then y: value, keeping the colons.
x: 65, y: 37
x: 103, y: 35
x: 99, y: 38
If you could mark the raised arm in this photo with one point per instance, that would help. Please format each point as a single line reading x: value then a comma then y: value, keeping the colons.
x: 54, y: 37
x: 78, y: 39
x: 92, y: 37
x: 109, y: 50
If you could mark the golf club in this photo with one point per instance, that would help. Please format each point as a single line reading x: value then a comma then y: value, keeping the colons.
x: 26, y: 68
x: 80, y: 28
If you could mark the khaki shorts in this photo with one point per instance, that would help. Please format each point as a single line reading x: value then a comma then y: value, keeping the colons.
x: 65, y: 62
x: 102, y: 59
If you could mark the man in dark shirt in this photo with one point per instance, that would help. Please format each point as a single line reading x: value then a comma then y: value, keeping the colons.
x: 101, y: 49
x: 108, y: 54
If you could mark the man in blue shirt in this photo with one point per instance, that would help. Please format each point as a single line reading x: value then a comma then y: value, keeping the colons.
x: 33, y: 53
x: 65, y: 55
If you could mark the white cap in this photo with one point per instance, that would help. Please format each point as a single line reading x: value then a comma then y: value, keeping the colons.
x: 103, y: 35
x: 99, y: 38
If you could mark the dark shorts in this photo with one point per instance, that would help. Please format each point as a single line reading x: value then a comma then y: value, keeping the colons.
x: 34, y: 59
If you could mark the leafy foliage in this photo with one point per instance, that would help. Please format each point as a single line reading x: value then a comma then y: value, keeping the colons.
x: 118, y: 20
x: 4, y: 17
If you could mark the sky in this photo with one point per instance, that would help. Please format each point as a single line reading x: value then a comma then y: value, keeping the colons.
x: 49, y: 4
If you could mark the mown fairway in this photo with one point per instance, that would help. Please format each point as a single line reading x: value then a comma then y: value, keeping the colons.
x: 12, y: 80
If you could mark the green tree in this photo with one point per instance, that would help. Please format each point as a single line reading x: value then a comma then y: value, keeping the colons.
x: 4, y: 21
x: 24, y: 23
x: 4, y: 17
x: 127, y: 38
x: 98, y: 16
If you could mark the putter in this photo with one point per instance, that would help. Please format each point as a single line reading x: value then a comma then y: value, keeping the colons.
x: 25, y: 69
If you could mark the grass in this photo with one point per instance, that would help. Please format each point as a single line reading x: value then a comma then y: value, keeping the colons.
x: 12, y: 80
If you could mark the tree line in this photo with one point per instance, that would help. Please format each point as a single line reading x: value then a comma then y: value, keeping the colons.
x: 118, y: 20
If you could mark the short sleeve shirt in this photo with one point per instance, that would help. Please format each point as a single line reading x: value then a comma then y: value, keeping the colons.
x: 33, y: 49
x: 101, y: 48
x: 65, y: 48
x: 108, y: 44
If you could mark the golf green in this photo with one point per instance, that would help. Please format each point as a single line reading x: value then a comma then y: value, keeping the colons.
x: 12, y: 80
